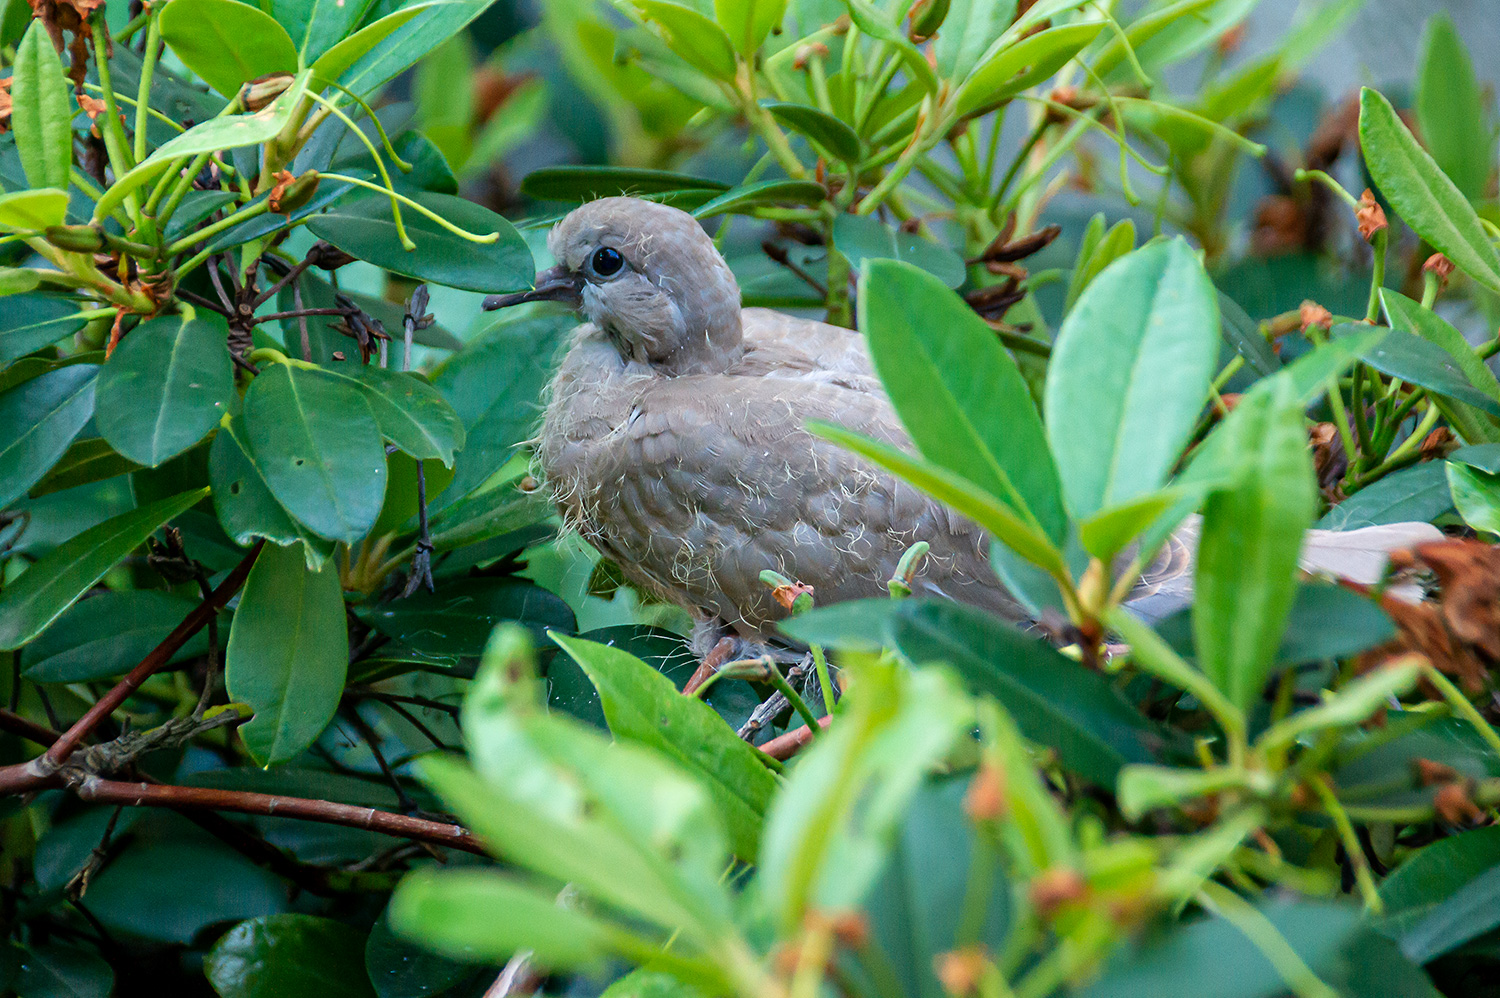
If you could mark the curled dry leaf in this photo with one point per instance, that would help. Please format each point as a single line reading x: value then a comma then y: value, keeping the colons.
x: 1370, y: 215
x: 1312, y: 314
x: 5, y: 103
x: 787, y: 595
x: 960, y: 971
x: 1054, y: 888
x: 985, y: 799
x: 1438, y: 264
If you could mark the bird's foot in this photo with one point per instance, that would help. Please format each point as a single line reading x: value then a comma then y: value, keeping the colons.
x: 715, y: 658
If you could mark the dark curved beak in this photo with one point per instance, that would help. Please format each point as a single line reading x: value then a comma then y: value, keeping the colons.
x: 553, y: 284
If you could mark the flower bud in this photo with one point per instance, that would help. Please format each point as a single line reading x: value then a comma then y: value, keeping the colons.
x: 262, y: 90
x: 75, y: 238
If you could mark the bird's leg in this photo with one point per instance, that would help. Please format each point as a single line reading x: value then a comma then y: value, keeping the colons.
x: 715, y: 657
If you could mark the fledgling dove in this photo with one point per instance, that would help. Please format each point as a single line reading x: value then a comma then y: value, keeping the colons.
x: 674, y: 440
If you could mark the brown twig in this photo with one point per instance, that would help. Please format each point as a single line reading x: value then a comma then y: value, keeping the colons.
x: 99, y: 790
x: 783, y: 747
x: 159, y: 656
x: 30, y: 730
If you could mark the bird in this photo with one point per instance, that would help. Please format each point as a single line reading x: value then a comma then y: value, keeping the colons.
x: 674, y: 440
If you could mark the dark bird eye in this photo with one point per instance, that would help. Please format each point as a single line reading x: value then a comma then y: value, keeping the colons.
x: 607, y: 261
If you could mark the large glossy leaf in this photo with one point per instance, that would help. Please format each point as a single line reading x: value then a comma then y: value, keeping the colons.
x: 1055, y: 701
x: 247, y: 510
x: 1426, y: 199
x: 53, y: 970
x: 106, y: 635
x: 288, y: 653
x: 490, y: 915
x: 291, y: 955
x: 1426, y: 881
x: 1450, y: 108
x: 366, y: 229
x: 409, y: 42
x: 1421, y: 362
x: 1470, y: 911
x: 315, y: 26
x: 1476, y: 496
x: 410, y: 412
x: 38, y: 420
x: 458, y: 618
x: 968, y: 30
x: 1408, y: 315
x: 228, y: 43
x: 1243, y: 333
x: 30, y: 322
x: 318, y: 446
x: 494, y: 385
x: 1416, y: 493
x: 767, y: 192
x: 86, y: 461
x: 584, y: 183
x: 41, y: 113
x: 333, y: 63
x: 958, y: 392
x: 861, y: 238
x: 40, y: 594
x: 1129, y: 376
x: 400, y: 969
x: 1252, y: 533
x: 165, y: 387
x: 645, y: 706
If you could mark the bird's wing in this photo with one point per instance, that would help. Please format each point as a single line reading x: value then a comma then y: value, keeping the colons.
x: 707, y: 480
x: 828, y: 348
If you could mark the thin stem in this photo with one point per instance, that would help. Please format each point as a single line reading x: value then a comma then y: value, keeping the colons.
x: 148, y: 71
x: 193, y: 239
x: 1352, y: 847
x: 419, y: 209
x: 115, y: 143
x: 401, y: 235
x: 825, y: 681
x: 1263, y: 934
x: 1462, y: 707
x: 785, y: 688
x: 1377, y: 275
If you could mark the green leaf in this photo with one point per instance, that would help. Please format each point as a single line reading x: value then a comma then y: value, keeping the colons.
x: 315, y: 26
x: 246, y: 508
x: 1469, y: 912
x: 493, y: 385
x: 38, y: 420
x: 335, y: 61
x: 410, y: 41
x: 409, y: 411
x: 700, y: 42
x: 1476, y: 495
x: 1247, y: 553
x: 399, y: 969
x: 30, y: 322
x: 1351, y: 705
x: 288, y: 653
x: 748, y: 22
x: 50, y: 585
x: 165, y: 387
x: 1094, y: 256
x: 836, y: 138
x: 366, y: 230
x: 968, y: 30
x: 1408, y: 315
x: 85, y: 462
x: 282, y: 956
x: 835, y: 819
x: 41, y: 113
x: 921, y: 906
x: 585, y: 183
x: 1422, y: 884
x: 959, y: 394
x: 1023, y: 63
x: 862, y: 237
x: 1421, y: 193
x: 488, y: 915
x: 1329, y: 621
x: 325, y: 341
x: 458, y: 618
x: 1416, y: 493
x: 642, y: 705
x: 1107, y: 532
x: 853, y: 625
x: 1155, y: 20
x: 943, y: 485
x: 50, y: 970
x: 18, y: 281
x: 1450, y: 109
x: 1243, y: 333
x: 227, y: 43
x: 1194, y: 28
x: 1420, y: 362
x: 1129, y: 376
x: 318, y: 446
x: 32, y: 211
x: 767, y: 192
x: 1054, y: 700
x: 106, y: 635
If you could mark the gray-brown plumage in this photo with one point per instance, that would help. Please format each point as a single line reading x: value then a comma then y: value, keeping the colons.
x: 674, y: 437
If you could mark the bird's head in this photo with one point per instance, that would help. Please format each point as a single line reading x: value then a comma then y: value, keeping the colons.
x: 649, y: 277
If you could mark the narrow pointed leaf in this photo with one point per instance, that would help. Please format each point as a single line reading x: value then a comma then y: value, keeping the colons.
x: 41, y: 112
x: 227, y: 43
x: 47, y: 588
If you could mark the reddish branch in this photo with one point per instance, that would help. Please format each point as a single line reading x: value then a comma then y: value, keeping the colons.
x: 150, y: 665
x: 99, y: 790
x: 785, y: 746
